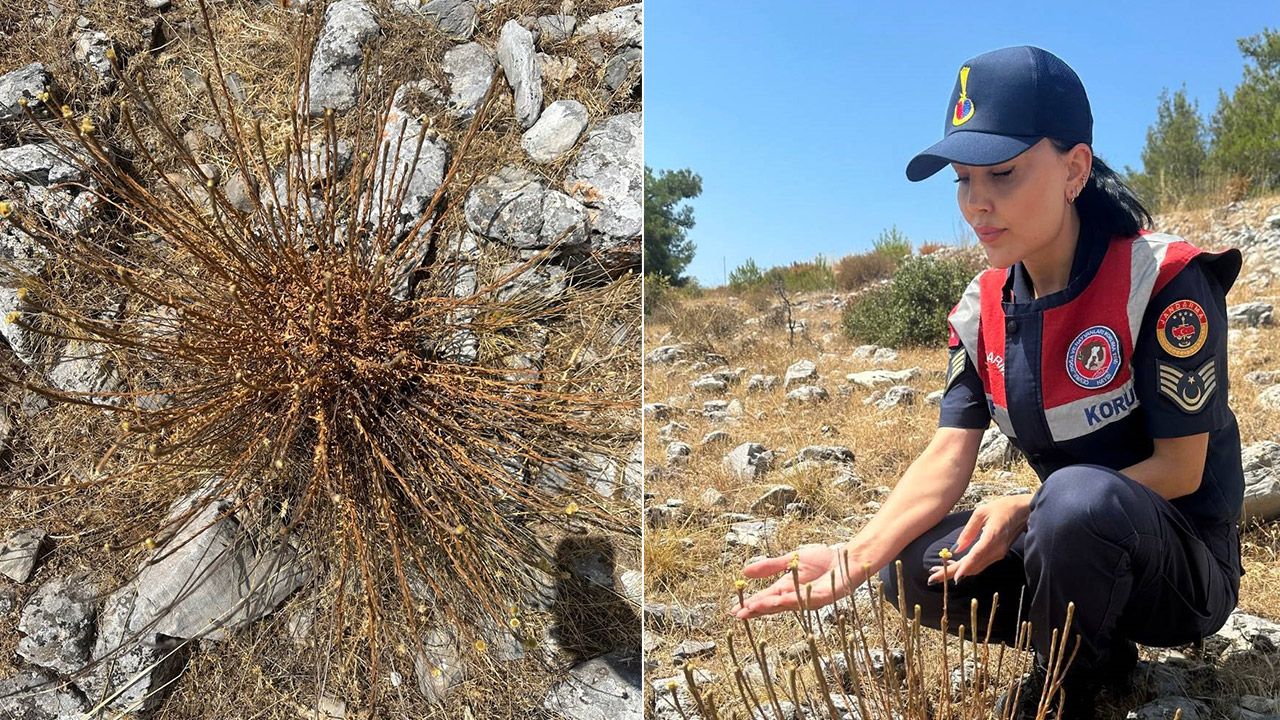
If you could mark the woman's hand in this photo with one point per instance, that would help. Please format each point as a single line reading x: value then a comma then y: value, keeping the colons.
x: 814, y: 565
x: 994, y: 525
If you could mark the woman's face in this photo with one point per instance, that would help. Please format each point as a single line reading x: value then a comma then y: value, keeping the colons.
x: 1019, y: 208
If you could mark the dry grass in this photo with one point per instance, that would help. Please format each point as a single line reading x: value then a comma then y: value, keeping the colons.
x: 286, y: 442
x: 688, y: 565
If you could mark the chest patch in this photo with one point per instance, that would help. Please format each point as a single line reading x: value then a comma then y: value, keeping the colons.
x: 1093, y: 360
x: 1182, y: 328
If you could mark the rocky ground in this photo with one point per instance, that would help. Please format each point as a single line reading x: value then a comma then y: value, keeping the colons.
x: 558, y: 162
x: 755, y: 445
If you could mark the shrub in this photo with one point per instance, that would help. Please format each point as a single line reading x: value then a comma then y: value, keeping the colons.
x: 892, y: 243
x: 930, y: 248
x: 657, y: 293
x: 857, y: 271
x: 802, y: 276
x: 912, y: 309
x: 746, y: 276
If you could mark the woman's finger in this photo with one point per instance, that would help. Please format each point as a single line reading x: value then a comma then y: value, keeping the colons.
x: 972, y: 530
x: 768, y: 566
x: 767, y: 604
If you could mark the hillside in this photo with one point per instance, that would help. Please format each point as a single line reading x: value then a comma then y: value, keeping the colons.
x: 833, y: 427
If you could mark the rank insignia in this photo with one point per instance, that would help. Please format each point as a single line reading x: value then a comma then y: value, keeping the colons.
x: 1188, y: 389
x: 955, y: 366
x: 1182, y: 328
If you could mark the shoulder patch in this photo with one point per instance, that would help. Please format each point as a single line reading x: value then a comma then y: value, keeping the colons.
x: 955, y: 366
x: 1188, y: 389
x: 1182, y: 328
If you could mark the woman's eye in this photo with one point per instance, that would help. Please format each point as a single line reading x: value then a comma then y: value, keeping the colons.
x: 1006, y: 173
x: 959, y: 179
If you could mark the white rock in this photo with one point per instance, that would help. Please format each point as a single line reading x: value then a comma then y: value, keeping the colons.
x: 335, y: 66
x: 872, y: 379
x: 801, y: 372
x: 469, y: 68
x: 520, y: 65
x: 19, y: 553
x: 556, y: 131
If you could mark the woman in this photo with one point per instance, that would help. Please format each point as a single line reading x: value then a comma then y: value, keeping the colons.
x: 1100, y: 350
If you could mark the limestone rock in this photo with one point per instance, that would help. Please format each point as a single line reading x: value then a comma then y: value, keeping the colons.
x: 774, y: 500
x: 1261, y: 482
x: 666, y: 354
x: 212, y: 575
x: 751, y: 533
x: 19, y: 553
x: 553, y: 29
x: 35, y: 694
x: 556, y: 131
x: 26, y: 82
x: 808, y: 394
x: 897, y: 396
x: 1252, y: 314
x: 748, y: 461
x: 801, y: 372
x: 132, y: 662
x: 514, y: 208
x: 334, y: 74
x: 91, y: 51
x: 469, y: 68
x: 603, y: 688
x: 607, y: 178
x: 84, y: 369
x: 38, y: 164
x: 520, y: 65
x: 872, y: 379
x: 995, y: 451
x: 438, y: 665
x: 455, y: 18
x: 58, y: 623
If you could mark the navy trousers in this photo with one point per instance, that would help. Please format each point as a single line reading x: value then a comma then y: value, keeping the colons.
x: 1136, y: 568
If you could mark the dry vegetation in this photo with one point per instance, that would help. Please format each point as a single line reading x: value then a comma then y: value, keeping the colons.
x: 297, y: 442
x: 688, y: 566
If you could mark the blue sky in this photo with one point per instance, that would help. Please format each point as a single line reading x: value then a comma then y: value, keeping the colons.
x: 801, y: 116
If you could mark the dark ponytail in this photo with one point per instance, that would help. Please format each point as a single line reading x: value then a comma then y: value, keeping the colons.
x: 1106, y: 203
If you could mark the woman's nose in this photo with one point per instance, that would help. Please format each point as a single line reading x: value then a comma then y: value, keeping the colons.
x: 974, y: 197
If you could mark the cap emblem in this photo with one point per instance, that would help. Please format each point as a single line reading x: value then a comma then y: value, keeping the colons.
x: 964, y: 106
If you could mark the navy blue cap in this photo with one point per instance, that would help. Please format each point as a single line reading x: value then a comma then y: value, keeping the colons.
x: 1004, y: 102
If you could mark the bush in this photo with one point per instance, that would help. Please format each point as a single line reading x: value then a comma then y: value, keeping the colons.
x: 858, y: 271
x: 892, y: 243
x: 912, y: 309
x: 811, y: 275
x: 657, y: 292
x: 746, y: 276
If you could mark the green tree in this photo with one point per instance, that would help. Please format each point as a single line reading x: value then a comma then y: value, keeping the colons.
x: 1173, y: 160
x: 667, y: 249
x: 746, y: 275
x: 1246, y: 125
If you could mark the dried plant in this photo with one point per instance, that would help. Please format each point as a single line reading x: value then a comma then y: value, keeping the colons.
x: 346, y: 378
x: 849, y: 668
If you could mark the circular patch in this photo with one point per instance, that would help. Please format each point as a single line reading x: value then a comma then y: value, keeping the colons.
x: 1094, y: 357
x: 1182, y: 328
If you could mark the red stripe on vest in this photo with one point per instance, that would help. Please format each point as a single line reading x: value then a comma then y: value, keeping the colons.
x: 1104, y: 302
x: 990, y: 352
x: 1176, y: 257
